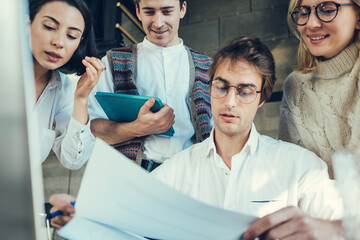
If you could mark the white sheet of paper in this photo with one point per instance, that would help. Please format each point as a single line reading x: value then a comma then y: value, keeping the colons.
x: 84, y: 229
x: 117, y: 192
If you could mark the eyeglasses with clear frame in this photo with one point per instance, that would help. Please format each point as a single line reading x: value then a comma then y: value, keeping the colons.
x: 325, y: 11
x: 246, y: 93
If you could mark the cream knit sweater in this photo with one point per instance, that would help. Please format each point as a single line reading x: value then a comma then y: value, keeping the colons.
x: 321, y: 110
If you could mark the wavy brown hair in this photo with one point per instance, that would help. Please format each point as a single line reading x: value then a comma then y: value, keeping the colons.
x: 253, y: 51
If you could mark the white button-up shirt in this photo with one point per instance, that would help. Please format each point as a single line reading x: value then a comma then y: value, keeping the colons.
x: 162, y: 72
x: 71, y: 141
x: 265, y: 176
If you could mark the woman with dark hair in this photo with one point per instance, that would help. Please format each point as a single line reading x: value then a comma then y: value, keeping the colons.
x: 62, y: 37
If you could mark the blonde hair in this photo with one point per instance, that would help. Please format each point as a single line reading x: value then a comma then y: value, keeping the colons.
x: 306, y: 61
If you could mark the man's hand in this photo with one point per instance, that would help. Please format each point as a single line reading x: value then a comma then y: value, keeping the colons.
x: 291, y: 223
x: 149, y: 123
x: 61, y: 202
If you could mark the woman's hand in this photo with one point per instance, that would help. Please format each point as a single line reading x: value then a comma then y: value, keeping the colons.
x: 89, y: 79
x: 85, y: 85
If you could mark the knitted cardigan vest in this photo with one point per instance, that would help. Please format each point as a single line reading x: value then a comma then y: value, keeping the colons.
x: 124, y: 75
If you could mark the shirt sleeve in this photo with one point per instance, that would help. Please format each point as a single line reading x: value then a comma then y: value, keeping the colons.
x: 73, y: 141
x: 162, y: 172
x: 171, y: 172
x: 105, y: 84
x: 73, y: 148
x: 318, y: 195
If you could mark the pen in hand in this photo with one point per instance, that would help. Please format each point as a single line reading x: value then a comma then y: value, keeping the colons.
x: 58, y: 212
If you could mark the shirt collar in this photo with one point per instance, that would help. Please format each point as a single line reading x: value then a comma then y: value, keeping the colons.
x: 155, y: 47
x: 55, y: 80
x: 211, y: 149
x: 253, y: 140
x: 251, y: 144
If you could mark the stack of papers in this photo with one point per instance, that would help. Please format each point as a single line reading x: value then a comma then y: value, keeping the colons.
x: 120, y: 200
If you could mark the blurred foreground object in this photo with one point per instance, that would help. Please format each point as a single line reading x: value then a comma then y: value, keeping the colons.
x: 347, y: 173
x: 21, y: 188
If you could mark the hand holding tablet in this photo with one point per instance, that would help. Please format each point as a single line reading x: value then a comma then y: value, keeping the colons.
x: 125, y: 107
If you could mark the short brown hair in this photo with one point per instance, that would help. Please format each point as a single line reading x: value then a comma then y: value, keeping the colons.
x: 254, y: 52
x: 137, y: 2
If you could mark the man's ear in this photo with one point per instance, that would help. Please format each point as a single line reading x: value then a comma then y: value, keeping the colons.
x: 260, y: 105
x: 183, y: 9
x: 138, y: 13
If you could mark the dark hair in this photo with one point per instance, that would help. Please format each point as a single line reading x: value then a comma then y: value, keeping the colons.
x: 253, y: 51
x: 87, y: 45
x: 138, y: 1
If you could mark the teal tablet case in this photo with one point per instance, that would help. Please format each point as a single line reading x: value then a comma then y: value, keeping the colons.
x: 125, y: 108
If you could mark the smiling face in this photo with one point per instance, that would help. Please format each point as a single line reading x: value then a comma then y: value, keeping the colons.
x: 160, y: 20
x: 56, y: 32
x: 231, y: 117
x: 329, y: 39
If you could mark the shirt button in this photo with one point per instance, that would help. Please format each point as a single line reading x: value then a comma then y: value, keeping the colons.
x: 82, y: 131
x: 79, y: 152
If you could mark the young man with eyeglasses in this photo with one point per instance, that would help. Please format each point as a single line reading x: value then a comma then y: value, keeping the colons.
x: 160, y: 66
x: 240, y: 170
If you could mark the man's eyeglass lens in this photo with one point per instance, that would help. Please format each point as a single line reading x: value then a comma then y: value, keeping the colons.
x: 220, y: 89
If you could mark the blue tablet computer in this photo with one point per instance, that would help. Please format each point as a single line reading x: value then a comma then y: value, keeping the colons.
x: 125, y: 108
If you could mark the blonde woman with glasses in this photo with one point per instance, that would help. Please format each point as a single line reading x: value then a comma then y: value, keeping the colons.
x: 320, y: 109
